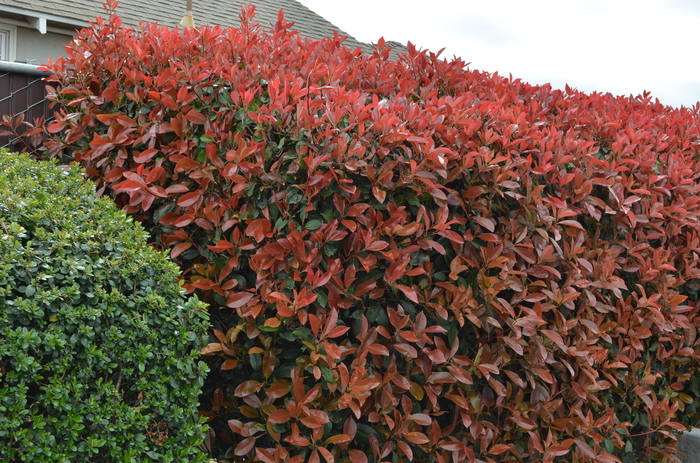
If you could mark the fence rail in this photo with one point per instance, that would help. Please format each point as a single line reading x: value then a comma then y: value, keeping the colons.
x: 22, y: 91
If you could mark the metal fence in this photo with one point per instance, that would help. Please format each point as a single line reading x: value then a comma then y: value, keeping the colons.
x: 22, y: 91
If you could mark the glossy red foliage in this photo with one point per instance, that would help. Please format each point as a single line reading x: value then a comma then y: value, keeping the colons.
x: 406, y: 260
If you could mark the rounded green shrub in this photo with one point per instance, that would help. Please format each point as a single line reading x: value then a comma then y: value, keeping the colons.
x: 98, y: 345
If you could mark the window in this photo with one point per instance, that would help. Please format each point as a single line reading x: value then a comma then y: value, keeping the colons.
x: 8, y: 34
x: 3, y: 42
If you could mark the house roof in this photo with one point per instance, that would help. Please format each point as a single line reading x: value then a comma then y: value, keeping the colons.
x: 224, y: 13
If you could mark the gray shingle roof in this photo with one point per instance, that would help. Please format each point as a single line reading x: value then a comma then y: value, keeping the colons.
x: 169, y: 12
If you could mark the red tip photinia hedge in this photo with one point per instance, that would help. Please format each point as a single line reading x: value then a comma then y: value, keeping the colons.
x: 405, y: 260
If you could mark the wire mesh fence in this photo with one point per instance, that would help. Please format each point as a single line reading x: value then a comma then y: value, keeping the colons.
x: 22, y: 91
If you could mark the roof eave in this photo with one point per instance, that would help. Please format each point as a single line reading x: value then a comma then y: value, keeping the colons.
x: 39, y: 20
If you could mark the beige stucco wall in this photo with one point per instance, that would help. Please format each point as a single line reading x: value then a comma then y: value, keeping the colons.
x: 31, y: 45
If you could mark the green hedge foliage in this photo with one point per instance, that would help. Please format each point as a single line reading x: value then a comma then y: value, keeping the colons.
x: 98, y: 345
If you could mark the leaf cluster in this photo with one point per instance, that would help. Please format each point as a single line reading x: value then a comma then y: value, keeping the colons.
x: 99, y: 348
x: 406, y: 260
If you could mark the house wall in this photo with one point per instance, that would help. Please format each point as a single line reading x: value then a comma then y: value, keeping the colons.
x: 35, y: 48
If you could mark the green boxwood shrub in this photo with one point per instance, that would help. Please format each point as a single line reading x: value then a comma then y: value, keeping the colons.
x: 98, y: 345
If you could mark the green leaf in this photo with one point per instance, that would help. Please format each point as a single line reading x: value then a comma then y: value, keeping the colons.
x: 327, y: 375
x: 256, y: 361
x: 321, y: 298
x: 313, y: 224
x: 294, y: 195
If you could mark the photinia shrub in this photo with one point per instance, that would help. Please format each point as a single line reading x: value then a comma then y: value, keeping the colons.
x: 99, y: 350
x: 404, y: 260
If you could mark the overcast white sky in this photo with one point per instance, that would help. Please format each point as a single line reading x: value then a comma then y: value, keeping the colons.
x: 618, y: 46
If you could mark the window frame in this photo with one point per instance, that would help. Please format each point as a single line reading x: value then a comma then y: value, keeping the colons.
x: 8, y: 44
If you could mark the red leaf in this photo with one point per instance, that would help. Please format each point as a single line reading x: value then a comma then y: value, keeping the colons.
x: 417, y: 438
x: 195, y: 117
x: 185, y: 164
x: 111, y: 94
x: 498, y: 449
x: 406, y: 349
x: 279, y: 416
x: 304, y: 298
x: 606, y: 458
x: 675, y: 425
x: 525, y: 423
x: 211, y: 347
x: 453, y: 446
x: 278, y: 389
x: 338, y: 439
x: 189, y: 199
x: 357, y: 209
x: 357, y: 456
x: 299, y: 441
x: 435, y: 355
x: 245, y: 446
x: 258, y: 229
x: 473, y: 192
x: 437, y: 246
x: 408, y: 292
x: 487, y: 223
x: 488, y: 367
x: 513, y: 344
x: 276, y: 295
x: 328, y: 456
x: 134, y: 177
x: 247, y: 388
x: 452, y: 236
x: 406, y: 449
x: 585, y: 448
x: 179, y: 249
x: 421, y: 418
x: 229, y: 364
x: 460, y: 375
x: 379, y: 194
x: 236, y: 300
x: 554, y: 336
x: 378, y: 349
x: 175, y: 189
x: 401, y: 382
x: 128, y: 185
x: 56, y: 127
x: 220, y: 246
x: 338, y: 331
x: 264, y: 455
x: 556, y: 451
x: 572, y: 223
x: 366, y: 384
x: 377, y: 246
x: 459, y: 401
x: 145, y: 155
x: 203, y: 284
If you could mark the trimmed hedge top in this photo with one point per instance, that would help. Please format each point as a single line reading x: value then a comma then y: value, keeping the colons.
x: 406, y: 260
x: 98, y: 346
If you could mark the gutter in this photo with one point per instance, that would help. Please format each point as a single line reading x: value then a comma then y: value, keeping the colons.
x: 21, y: 68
